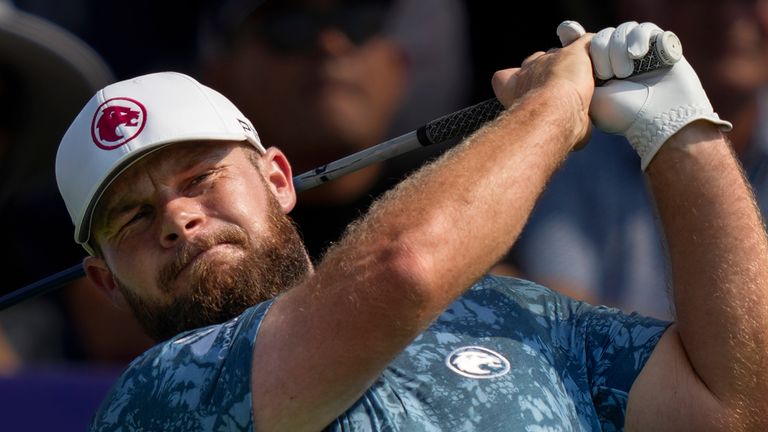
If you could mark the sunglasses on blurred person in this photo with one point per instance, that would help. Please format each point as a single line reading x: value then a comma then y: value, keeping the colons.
x: 293, y: 29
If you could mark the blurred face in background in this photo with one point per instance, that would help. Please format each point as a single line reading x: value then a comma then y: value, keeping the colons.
x: 318, y: 78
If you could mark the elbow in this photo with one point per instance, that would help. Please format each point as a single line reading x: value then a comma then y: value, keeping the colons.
x: 409, y: 282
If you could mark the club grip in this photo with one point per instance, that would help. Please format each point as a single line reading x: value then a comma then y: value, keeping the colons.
x: 665, y: 50
x: 460, y: 123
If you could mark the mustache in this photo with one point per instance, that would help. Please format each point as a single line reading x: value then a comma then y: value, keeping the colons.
x: 187, y: 251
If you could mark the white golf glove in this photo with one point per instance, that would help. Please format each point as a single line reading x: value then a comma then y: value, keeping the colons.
x: 650, y: 107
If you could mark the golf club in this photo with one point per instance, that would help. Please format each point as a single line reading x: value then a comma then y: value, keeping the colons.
x: 665, y: 50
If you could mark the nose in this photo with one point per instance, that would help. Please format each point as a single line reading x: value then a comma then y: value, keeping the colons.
x: 183, y: 218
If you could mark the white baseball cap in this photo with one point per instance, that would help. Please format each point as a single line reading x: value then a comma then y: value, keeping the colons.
x: 128, y: 120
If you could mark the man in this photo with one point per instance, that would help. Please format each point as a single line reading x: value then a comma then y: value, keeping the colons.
x: 323, y: 79
x: 397, y: 329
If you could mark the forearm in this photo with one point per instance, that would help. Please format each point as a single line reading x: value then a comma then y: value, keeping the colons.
x: 461, y: 214
x: 430, y: 238
x: 719, y: 257
x: 394, y: 271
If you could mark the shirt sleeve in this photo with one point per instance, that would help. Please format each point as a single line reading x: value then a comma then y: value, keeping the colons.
x: 199, y: 380
x: 617, y: 346
x: 597, y: 351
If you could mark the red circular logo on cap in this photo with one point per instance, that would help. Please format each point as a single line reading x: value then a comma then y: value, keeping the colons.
x: 117, y: 121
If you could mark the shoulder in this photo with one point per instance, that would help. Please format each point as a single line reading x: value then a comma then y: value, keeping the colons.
x: 548, y: 304
x: 187, y: 381
x: 525, y: 294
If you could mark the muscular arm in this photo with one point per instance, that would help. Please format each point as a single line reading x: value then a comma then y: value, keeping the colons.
x: 325, y: 341
x: 710, y: 370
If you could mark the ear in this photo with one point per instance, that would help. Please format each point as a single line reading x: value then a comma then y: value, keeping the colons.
x: 97, y: 271
x: 279, y: 176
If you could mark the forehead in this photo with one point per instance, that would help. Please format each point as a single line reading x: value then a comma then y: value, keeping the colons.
x: 174, y: 158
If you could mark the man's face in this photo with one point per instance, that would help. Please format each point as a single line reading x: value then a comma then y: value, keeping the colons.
x: 193, y: 235
x: 313, y: 81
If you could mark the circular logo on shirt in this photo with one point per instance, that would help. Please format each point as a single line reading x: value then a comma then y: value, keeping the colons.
x: 477, y: 362
x: 117, y: 121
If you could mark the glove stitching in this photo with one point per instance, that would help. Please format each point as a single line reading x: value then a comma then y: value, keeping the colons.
x: 646, y: 137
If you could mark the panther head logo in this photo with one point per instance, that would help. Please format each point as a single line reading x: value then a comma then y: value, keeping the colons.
x: 117, y: 121
x: 477, y: 362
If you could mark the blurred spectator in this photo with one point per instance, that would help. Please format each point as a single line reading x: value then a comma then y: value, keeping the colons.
x: 594, y: 234
x: 46, y: 76
x: 324, y: 79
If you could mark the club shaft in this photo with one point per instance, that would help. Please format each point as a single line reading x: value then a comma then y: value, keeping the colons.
x: 452, y: 126
x: 43, y: 286
x: 461, y: 123
x: 356, y: 161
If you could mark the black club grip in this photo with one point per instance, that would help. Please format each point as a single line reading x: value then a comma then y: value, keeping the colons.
x: 460, y: 123
x: 664, y: 51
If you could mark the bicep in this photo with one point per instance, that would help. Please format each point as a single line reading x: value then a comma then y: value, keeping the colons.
x: 668, y: 395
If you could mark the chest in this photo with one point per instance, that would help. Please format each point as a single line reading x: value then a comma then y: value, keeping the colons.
x: 474, y: 371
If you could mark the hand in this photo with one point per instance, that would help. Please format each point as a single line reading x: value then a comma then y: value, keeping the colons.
x: 568, y: 65
x: 567, y: 71
x: 648, y: 108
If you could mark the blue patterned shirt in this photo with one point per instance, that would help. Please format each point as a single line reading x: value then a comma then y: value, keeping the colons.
x: 507, y: 355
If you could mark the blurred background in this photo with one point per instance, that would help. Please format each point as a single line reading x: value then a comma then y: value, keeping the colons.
x: 321, y: 82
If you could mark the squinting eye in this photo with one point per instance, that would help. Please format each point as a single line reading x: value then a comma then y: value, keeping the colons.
x: 141, y: 214
x: 201, y: 178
